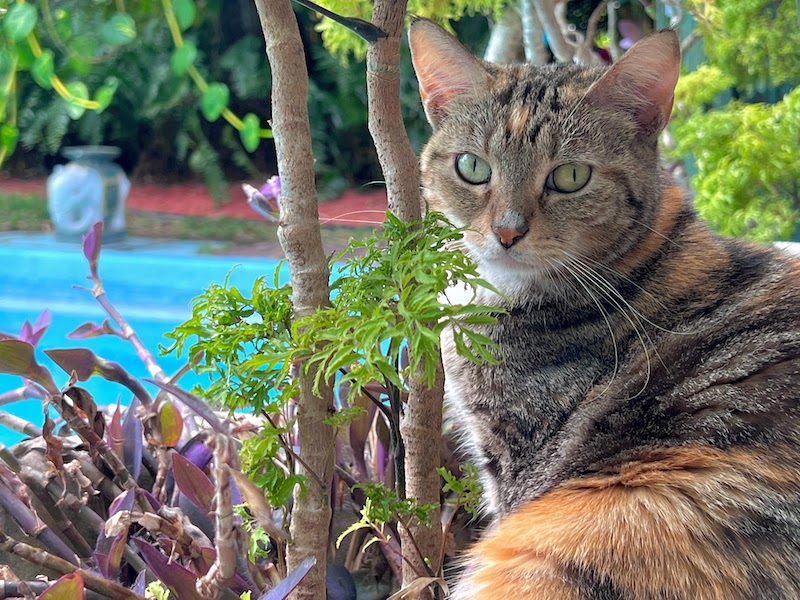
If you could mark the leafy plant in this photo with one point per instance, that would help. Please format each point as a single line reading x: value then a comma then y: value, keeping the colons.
x: 132, y: 491
x: 745, y: 150
x: 104, y: 74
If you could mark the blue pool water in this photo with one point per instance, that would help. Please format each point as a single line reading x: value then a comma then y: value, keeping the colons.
x: 150, y: 282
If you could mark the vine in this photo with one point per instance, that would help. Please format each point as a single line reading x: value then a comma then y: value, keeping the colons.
x: 19, y: 20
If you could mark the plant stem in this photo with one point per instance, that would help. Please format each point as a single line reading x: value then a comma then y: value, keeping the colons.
x: 421, y: 425
x: 111, y: 590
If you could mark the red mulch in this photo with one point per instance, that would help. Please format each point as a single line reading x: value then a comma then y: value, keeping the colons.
x: 352, y: 208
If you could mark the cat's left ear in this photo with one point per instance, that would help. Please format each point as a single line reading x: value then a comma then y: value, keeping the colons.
x: 642, y: 83
x: 445, y: 69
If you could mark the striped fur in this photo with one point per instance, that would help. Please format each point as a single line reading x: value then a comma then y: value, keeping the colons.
x: 641, y: 439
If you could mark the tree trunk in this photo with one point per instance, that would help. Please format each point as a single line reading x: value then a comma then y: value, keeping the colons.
x: 505, y: 40
x: 300, y: 238
x: 533, y: 35
x: 421, y: 425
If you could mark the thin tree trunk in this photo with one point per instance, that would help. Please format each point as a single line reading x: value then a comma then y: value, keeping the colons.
x: 533, y: 34
x: 398, y: 161
x: 421, y: 424
x: 301, y: 241
x: 562, y: 49
x: 505, y: 41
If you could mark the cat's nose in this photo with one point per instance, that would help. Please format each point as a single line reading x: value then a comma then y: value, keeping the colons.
x: 508, y: 236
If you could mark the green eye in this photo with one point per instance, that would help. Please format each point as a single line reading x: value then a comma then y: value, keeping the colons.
x: 569, y: 178
x: 472, y: 169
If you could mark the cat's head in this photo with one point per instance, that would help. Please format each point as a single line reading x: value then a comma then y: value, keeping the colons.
x: 543, y: 162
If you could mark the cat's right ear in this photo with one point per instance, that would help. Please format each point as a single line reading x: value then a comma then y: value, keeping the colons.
x: 445, y: 69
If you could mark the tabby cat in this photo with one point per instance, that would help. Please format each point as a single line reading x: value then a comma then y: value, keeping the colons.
x: 641, y: 439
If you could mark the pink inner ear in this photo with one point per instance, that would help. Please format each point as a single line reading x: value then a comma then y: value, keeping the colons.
x: 445, y: 69
x: 643, y: 81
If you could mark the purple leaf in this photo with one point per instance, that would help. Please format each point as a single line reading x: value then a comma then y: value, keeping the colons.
x: 179, y: 579
x: 293, y: 579
x: 380, y: 460
x: 265, y: 205
x: 197, y: 452
x: 124, y: 501
x: 109, y: 552
x: 80, y: 360
x: 272, y: 189
x: 192, y: 482
x: 26, y: 333
x: 140, y: 583
x: 132, y: 440
x: 36, y: 331
x: 92, y: 243
x: 90, y: 330
x: 154, y: 504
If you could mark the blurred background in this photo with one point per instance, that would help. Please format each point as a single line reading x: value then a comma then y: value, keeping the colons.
x: 182, y: 87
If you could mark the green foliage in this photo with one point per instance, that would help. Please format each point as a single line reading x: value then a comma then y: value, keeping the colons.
x: 259, y: 539
x: 87, y: 58
x: 753, y: 41
x: 157, y: 591
x: 387, y: 293
x: 260, y: 458
x: 342, y: 42
x: 467, y: 489
x: 748, y: 172
x: 383, y: 506
x: 745, y: 151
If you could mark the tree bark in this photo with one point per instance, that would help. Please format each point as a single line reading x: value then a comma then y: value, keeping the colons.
x: 421, y: 425
x: 398, y: 161
x: 301, y: 240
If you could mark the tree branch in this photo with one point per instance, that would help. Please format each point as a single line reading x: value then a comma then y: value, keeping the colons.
x: 421, y: 426
x: 301, y: 240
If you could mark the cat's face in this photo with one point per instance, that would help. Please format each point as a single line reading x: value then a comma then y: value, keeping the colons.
x: 542, y: 164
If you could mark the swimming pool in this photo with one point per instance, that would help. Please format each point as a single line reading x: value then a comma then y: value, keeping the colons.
x: 150, y: 282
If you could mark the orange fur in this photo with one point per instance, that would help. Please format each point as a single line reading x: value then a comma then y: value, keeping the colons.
x: 669, y: 208
x: 653, y: 527
x: 518, y: 120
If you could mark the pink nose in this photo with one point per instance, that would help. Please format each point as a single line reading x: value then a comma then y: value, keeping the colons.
x: 508, y: 236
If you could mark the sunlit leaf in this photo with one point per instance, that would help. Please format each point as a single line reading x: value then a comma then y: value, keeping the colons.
x: 171, y: 423
x: 67, y: 587
x: 43, y: 69
x: 185, y: 12
x: 214, y: 100
x: 79, y: 91
x: 250, y: 132
x: 9, y: 136
x: 119, y: 30
x: 192, y: 482
x: 183, y: 57
x: 20, y: 20
x: 105, y: 93
x: 18, y: 358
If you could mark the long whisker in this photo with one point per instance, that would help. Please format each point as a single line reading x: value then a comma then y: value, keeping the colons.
x: 603, y: 312
x: 646, y: 226
x: 602, y: 286
x: 619, y: 295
